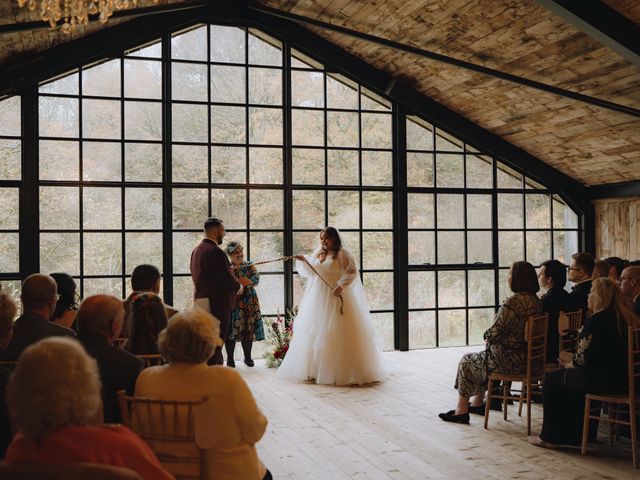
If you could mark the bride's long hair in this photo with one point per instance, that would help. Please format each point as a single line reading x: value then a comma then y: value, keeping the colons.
x: 336, y: 242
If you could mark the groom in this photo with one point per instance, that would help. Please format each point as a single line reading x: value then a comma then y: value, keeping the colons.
x: 215, y: 286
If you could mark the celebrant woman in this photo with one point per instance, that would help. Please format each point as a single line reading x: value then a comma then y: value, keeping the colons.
x: 333, y: 340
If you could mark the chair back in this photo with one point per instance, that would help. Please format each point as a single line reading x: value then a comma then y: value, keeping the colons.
x: 151, y: 360
x: 633, y: 337
x: 536, y: 338
x: 569, y: 324
x: 9, y: 364
x: 168, y: 426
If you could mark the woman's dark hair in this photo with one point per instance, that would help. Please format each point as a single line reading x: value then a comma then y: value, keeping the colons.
x: 332, y: 233
x: 617, y: 263
x: 556, y: 271
x: 523, y: 278
x: 148, y: 319
x: 67, y: 290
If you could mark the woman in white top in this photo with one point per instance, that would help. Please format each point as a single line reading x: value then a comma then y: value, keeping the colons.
x: 330, y: 346
x: 230, y: 423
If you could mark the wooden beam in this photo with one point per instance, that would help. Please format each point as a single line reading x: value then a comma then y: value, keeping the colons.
x: 614, y: 190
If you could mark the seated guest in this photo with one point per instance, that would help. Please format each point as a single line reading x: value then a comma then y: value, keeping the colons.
x: 600, y: 270
x: 144, y: 278
x: 616, y: 265
x: 552, y: 278
x: 506, y: 348
x: 99, y: 323
x: 67, y: 306
x: 7, y: 314
x: 580, y: 272
x: 230, y: 423
x: 630, y: 285
x: 598, y: 366
x: 39, y: 297
x: 54, y: 401
x: 148, y: 319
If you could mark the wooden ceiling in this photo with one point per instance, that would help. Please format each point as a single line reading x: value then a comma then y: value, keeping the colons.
x: 592, y: 145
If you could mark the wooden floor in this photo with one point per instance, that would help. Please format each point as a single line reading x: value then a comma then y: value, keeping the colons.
x: 391, y: 430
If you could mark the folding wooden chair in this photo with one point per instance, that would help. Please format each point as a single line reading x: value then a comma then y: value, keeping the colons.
x: 151, y: 360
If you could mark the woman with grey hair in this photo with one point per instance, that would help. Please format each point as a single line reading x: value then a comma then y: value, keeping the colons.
x: 229, y: 423
x: 54, y: 401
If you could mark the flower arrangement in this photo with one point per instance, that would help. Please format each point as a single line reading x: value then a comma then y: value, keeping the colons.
x: 279, y: 333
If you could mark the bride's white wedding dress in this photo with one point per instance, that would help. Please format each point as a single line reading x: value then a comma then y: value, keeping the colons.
x: 326, y: 346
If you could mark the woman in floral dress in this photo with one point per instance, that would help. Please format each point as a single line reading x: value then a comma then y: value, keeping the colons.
x: 246, y: 319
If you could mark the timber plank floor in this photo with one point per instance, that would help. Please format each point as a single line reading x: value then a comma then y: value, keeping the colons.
x: 391, y: 430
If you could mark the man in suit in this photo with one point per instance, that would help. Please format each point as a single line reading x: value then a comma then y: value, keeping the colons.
x: 215, y: 286
x: 552, y: 278
x: 630, y: 285
x: 99, y: 321
x: 39, y: 296
x: 580, y: 272
x: 7, y: 314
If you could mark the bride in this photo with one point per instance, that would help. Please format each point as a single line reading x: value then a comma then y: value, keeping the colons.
x: 329, y: 346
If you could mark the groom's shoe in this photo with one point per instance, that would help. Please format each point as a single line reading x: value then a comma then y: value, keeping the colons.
x: 451, y: 416
x: 231, y: 363
x: 249, y: 362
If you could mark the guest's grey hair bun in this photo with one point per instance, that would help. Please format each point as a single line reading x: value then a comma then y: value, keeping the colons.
x: 232, y: 247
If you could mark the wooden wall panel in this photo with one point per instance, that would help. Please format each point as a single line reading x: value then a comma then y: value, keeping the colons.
x: 618, y: 228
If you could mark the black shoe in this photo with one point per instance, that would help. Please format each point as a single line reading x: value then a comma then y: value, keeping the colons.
x: 231, y: 363
x: 496, y: 404
x: 451, y: 416
x: 249, y: 362
x: 479, y: 410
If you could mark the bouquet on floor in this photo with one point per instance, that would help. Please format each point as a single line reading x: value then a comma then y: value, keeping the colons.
x: 279, y: 332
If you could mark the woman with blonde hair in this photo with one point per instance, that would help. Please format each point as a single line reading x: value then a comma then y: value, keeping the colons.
x: 598, y: 366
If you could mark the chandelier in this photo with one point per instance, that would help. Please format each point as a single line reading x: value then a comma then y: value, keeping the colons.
x: 75, y: 12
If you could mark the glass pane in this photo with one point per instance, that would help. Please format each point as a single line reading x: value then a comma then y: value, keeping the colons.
x: 538, y: 211
x: 101, y: 119
x: 447, y: 143
x: 343, y: 167
x: 451, y: 289
x: 378, y: 250
x: 183, y: 245
x: 300, y: 60
x: 344, y: 209
x: 58, y: 117
x: 265, y: 126
x: 265, y: 165
x: 264, y: 50
x: 143, y: 120
x: 189, y: 123
x: 143, y: 208
x: 479, y: 211
x: 342, y: 129
x: 351, y: 243
x: 419, y: 135
x: 60, y: 252
x: 479, y: 247
x: 9, y: 252
x: 479, y: 172
x: 377, y: 168
x: 419, y: 169
x: 376, y: 130
x: 265, y: 86
x: 480, y: 319
x: 189, y: 82
x: 270, y: 292
x: 102, y: 253
x: 227, y: 44
x: 422, y: 248
x: 383, y: 329
x: 102, y: 80
x: 481, y: 288
x: 9, y: 199
x: 230, y: 206
x: 143, y: 247
x: 377, y: 210
x: 371, y: 101
x: 450, y: 211
x: 308, y: 166
x: 228, y: 124
x: 510, y: 214
x: 379, y: 290
x: 13, y: 288
x: 143, y: 162
x: 308, y: 209
x: 307, y: 89
x: 341, y: 93
x: 190, y: 207
x: 449, y: 170
x: 422, y: 330
x: 228, y: 164
x: 228, y: 84
x: 420, y: 210
x: 102, y: 208
x: 190, y: 163
x: 101, y: 161
x: 67, y: 85
x: 112, y: 286
x: 538, y: 247
x: 59, y: 160
x: 565, y: 244
x: 190, y: 45
x: 450, y: 247
x: 563, y: 216
x: 452, y: 328
x: 503, y: 285
x: 153, y: 50
x: 307, y: 127
x: 266, y: 209
x: 507, y: 177
x: 422, y: 290
x: 304, y: 243
x: 267, y: 246
x: 182, y: 292
x: 510, y: 248
x: 11, y: 159
x: 142, y: 79
x: 54, y: 200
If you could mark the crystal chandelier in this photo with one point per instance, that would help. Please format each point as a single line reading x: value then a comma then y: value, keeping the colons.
x: 75, y: 12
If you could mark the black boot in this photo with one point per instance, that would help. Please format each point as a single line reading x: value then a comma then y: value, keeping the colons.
x: 246, y: 348
x: 230, y: 346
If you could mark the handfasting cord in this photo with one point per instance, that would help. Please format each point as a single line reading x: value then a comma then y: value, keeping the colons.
x: 304, y: 259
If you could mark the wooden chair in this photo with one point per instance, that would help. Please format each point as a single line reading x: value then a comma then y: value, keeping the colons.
x: 10, y: 364
x: 168, y: 426
x: 74, y: 471
x: 536, y: 338
x: 631, y: 400
x: 569, y: 325
x: 151, y: 360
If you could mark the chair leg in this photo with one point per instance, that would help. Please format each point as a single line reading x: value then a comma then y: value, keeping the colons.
x: 585, y: 426
x: 505, y: 406
x: 633, y: 419
x: 487, y: 407
x: 525, y: 388
x: 528, y: 400
x: 612, y: 426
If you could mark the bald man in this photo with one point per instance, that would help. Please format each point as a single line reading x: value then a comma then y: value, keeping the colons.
x: 100, y: 319
x: 630, y: 285
x: 39, y: 296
